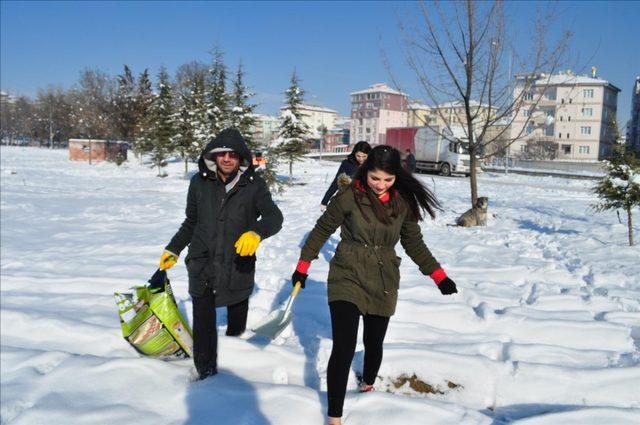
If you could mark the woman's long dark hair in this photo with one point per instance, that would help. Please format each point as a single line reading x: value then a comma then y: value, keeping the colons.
x: 418, y: 197
x: 361, y: 146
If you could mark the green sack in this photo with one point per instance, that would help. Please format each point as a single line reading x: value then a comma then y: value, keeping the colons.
x: 151, y: 321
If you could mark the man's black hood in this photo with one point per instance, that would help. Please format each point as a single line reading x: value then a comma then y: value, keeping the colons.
x: 229, y: 139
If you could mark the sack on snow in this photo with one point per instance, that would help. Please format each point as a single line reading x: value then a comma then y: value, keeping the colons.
x: 151, y: 321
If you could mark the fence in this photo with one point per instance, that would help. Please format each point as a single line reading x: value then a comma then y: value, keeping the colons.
x: 540, y: 166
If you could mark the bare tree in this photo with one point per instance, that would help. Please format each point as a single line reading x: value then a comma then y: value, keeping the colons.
x: 539, y: 149
x: 52, y: 111
x: 460, y: 51
x: 92, y: 102
x: 187, y: 73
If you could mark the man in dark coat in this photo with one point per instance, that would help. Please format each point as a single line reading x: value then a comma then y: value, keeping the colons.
x: 229, y: 211
x: 410, y: 162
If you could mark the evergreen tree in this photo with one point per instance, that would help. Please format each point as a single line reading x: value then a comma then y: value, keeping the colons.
x: 144, y: 98
x: 242, y: 117
x: 620, y: 187
x: 161, y: 129
x: 217, y: 98
x: 191, y: 125
x: 293, y: 131
x: 125, y: 103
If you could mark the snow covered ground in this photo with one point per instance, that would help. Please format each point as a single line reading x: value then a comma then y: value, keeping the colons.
x: 545, y: 329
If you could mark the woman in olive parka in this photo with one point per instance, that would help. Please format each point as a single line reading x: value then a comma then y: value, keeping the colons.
x: 380, y: 207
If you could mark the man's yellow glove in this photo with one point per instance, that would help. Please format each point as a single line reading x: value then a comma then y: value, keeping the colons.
x: 247, y: 243
x: 167, y: 260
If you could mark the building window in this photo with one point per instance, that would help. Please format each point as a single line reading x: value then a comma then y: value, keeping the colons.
x: 587, y: 112
x: 587, y: 93
x: 567, y: 135
x: 551, y: 94
x: 559, y: 135
x: 583, y: 149
x: 526, y: 112
x: 529, y: 129
x: 561, y: 118
x: 566, y: 149
x: 528, y: 96
x: 368, y: 130
x: 585, y: 130
x: 569, y: 118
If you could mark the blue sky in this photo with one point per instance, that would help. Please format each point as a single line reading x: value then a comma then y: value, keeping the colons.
x: 334, y: 46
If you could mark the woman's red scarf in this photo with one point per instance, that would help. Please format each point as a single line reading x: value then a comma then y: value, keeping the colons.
x: 384, y: 198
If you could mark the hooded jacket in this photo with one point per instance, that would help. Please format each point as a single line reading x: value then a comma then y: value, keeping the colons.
x: 365, y: 269
x: 349, y: 167
x: 217, y: 213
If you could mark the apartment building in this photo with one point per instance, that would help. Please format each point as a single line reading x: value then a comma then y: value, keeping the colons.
x: 419, y: 115
x: 633, y: 127
x: 265, y: 128
x: 574, y: 113
x: 450, y: 113
x: 454, y: 113
x: 316, y: 117
x: 374, y: 110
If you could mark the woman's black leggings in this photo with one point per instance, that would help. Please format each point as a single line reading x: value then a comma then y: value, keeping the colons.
x: 345, y: 318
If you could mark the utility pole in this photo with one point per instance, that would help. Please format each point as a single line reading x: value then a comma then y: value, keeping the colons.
x: 50, y: 128
x: 506, y: 162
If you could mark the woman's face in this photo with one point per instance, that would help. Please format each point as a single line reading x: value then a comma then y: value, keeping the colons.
x: 380, y: 181
x: 361, y: 157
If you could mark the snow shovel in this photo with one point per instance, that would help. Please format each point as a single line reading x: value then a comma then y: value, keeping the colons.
x: 278, y: 320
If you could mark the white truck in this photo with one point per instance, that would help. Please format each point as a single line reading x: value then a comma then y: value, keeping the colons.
x: 433, y: 152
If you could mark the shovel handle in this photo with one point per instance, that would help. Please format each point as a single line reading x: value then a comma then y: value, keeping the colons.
x: 296, y: 289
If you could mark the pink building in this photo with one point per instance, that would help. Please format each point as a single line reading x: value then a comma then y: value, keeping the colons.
x: 374, y: 110
x: 97, y: 150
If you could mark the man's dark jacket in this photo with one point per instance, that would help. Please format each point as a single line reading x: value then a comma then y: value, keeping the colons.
x: 215, y: 219
x: 410, y: 160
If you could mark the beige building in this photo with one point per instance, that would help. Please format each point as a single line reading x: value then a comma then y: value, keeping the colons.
x: 453, y: 113
x: 265, y: 128
x: 374, y: 110
x: 450, y: 114
x: 576, y: 113
x: 316, y: 117
x: 420, y: 115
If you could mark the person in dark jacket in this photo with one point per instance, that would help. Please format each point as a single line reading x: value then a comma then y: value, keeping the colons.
x: 380, y: 207
x: 410, y: 161
x: 229, y: 211
x: 348, y: 167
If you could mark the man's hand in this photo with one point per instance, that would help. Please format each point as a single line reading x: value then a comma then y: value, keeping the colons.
x: 167, y: 260
x: 247, y: 243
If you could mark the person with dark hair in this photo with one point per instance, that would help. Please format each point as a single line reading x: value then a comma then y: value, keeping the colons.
x: 410, y: 161
x: 380, y: 207
x: 229, y: 212
x: 347, y: 169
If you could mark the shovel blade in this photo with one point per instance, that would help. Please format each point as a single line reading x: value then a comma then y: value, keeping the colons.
x: 274, y: 324
x: 277, y: 320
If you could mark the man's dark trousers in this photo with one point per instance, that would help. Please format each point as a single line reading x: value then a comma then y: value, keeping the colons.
x: 205, y: 334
